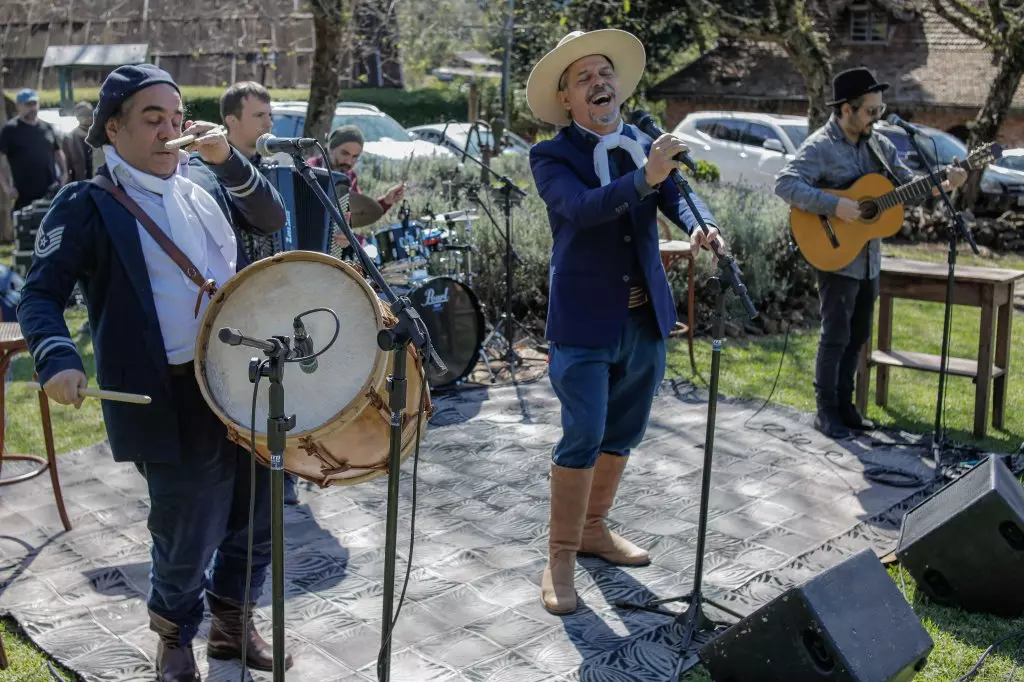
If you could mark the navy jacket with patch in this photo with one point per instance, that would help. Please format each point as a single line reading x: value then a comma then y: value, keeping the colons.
x: 89, y: 238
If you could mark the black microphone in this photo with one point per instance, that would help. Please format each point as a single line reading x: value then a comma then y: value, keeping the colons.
x: 268, y: 145
x: 304, y: 347
x: 893, y: 119
x: 646, y: 124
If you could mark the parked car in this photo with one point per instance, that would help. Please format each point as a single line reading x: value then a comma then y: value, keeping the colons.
x: 1011, y: 160
x: 384, y: 136
x: 1002, y: 189
x: 748, y: 148
x: 456, y: 135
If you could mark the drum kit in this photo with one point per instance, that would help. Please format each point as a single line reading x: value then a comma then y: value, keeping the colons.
x: 429, y: 260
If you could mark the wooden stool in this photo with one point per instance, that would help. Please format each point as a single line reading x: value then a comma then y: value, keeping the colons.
x: 12, y: 343
x: 673, y: 251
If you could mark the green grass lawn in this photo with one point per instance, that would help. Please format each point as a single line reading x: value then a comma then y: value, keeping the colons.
x: 749, y: 366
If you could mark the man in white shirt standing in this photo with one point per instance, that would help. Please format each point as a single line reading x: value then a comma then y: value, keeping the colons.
x: 144, y: 312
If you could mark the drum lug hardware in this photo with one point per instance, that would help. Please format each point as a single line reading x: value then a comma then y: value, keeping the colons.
x: 375, y: 399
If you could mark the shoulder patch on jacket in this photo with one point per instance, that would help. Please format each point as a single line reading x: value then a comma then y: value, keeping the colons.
x: 48, y: 240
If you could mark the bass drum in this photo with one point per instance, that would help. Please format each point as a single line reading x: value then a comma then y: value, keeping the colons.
x: 342, y: 430
x: 455, y: 321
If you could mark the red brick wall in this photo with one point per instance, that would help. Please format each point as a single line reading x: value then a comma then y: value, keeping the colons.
x: 1011, y: 134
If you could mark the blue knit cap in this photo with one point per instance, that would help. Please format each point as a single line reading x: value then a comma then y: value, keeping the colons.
x: 122, y: 83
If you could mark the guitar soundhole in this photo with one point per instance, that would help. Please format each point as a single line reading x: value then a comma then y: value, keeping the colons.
x: 868, y: 210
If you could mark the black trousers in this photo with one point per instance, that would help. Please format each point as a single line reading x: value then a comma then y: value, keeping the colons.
x: 847, y: 308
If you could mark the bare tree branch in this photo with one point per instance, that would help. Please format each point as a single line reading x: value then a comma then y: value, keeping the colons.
x: 975, y: 30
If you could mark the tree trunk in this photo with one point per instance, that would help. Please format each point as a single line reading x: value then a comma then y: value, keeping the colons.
x: 809, y: 54
x: 993, y: 113
x: 325, y: 81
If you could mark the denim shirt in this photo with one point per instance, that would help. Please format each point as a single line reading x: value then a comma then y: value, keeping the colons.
x: 827, y: 159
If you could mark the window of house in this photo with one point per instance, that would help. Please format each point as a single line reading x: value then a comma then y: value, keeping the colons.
x: 868, y: 25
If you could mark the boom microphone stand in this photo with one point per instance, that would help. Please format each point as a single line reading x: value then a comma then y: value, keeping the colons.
x: 507, y: 190
x: 693, y: 619
x: 410, y: 329
x: 958, y: 230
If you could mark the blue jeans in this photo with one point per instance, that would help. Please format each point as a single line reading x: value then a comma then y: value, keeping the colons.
x: 199, y: 516
x: 606, y: 393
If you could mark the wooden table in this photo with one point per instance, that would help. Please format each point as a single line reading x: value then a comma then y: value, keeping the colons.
x: 990, y: 289
x: 12, y: 343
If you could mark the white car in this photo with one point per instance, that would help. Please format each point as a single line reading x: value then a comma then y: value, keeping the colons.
x: 384, y: 136
x: 62, y: 124
x: 748, y: 148
x: 456, y: 135
x: 1011, y: 160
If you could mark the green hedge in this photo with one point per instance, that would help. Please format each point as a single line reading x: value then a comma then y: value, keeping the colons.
x: 408, y: 107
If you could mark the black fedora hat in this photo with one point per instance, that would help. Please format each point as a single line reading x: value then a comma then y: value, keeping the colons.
x: 852, y: 83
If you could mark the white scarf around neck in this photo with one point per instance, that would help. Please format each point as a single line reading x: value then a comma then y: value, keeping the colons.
x: 606, y: 143
x: 182, y: 197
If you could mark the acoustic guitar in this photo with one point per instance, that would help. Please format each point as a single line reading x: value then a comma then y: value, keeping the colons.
x: 831, y: 243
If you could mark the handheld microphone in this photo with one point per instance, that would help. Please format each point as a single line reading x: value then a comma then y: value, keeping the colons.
x: 893, y: 119
x: 304, y: 347
x: 268, y: 145
x: 643, y: 121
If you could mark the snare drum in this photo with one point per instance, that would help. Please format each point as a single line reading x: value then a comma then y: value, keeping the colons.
x: 342, y: 419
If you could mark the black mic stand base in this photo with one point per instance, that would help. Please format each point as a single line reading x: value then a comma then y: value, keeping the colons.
x: 694, y: 620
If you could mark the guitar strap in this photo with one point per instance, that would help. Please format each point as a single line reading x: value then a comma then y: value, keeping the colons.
x: 876, y: 152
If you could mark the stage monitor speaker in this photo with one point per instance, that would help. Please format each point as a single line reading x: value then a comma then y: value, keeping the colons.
x: 964, y: 545
x: 848, y: 624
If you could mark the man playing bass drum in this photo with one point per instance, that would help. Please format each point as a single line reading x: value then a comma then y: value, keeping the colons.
x: 833, y: 157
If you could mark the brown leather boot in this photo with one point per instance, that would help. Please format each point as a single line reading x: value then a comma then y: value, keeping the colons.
x: 227, y: 632
x: 570, y: 489
x: 175, y: 662
x: 597, y: 539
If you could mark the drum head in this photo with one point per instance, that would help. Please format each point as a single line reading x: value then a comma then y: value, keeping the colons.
x: 456, y: 324
x: 261, y: 302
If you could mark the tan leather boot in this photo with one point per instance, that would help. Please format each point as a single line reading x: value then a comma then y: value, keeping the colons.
x: 175, y: 662
x: 570, y: 489
x: 227, y: 633
x: 597, y: 539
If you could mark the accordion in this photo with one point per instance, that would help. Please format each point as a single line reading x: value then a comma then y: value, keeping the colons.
x: 308, y: 225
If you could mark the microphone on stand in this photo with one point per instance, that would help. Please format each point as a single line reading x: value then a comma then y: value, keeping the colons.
x: 304, y: 347
x: 646, y: 124
x: 893, y: 119
x: 268, y: 145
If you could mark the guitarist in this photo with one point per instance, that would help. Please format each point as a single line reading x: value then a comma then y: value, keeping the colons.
x: 834, y: 157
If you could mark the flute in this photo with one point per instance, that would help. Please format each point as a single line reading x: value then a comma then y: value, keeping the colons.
x: 186, y: 140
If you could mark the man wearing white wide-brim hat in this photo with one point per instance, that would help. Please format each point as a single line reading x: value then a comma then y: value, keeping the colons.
x: 610, y: 307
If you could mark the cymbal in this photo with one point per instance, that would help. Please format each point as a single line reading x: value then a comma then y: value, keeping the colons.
x: 365, y: 211
x: 451, y: 217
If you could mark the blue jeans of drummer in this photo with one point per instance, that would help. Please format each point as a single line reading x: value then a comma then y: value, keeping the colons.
x: 199, y: 516
x: 606, y: 393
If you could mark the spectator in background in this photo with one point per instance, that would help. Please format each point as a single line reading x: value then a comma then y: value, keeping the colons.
x: 30, y: 154
x: 77, y: 153
x: 245, y: 110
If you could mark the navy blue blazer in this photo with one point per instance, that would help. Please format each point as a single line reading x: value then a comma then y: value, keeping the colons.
x: 594, y: 229
x: 90, y: 238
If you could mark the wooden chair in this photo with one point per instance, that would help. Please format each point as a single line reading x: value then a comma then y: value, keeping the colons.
x: 673, y: 251
x: 12, y: 343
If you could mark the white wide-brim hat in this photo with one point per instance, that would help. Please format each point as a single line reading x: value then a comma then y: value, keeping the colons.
x: 623, y: 50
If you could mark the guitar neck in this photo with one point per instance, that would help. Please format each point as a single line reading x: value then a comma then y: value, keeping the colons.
x: 908, y: 192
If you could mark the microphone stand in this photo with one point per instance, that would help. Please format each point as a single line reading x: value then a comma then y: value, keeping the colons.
x: 409, y: 329
x: 958, y: 229
x: 694, y: 620
x: 507, y: 189
x: 278, y: 350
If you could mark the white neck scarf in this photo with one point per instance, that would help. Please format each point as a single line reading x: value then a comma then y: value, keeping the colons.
x: 182, y: 198
x: 606, y: 143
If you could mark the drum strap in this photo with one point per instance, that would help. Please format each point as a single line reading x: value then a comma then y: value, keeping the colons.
x: 207, y: 286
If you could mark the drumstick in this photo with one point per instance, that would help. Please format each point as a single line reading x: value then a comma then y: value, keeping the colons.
x: 104, y: 395
x: 180, y: 142
x: 185, y: 141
